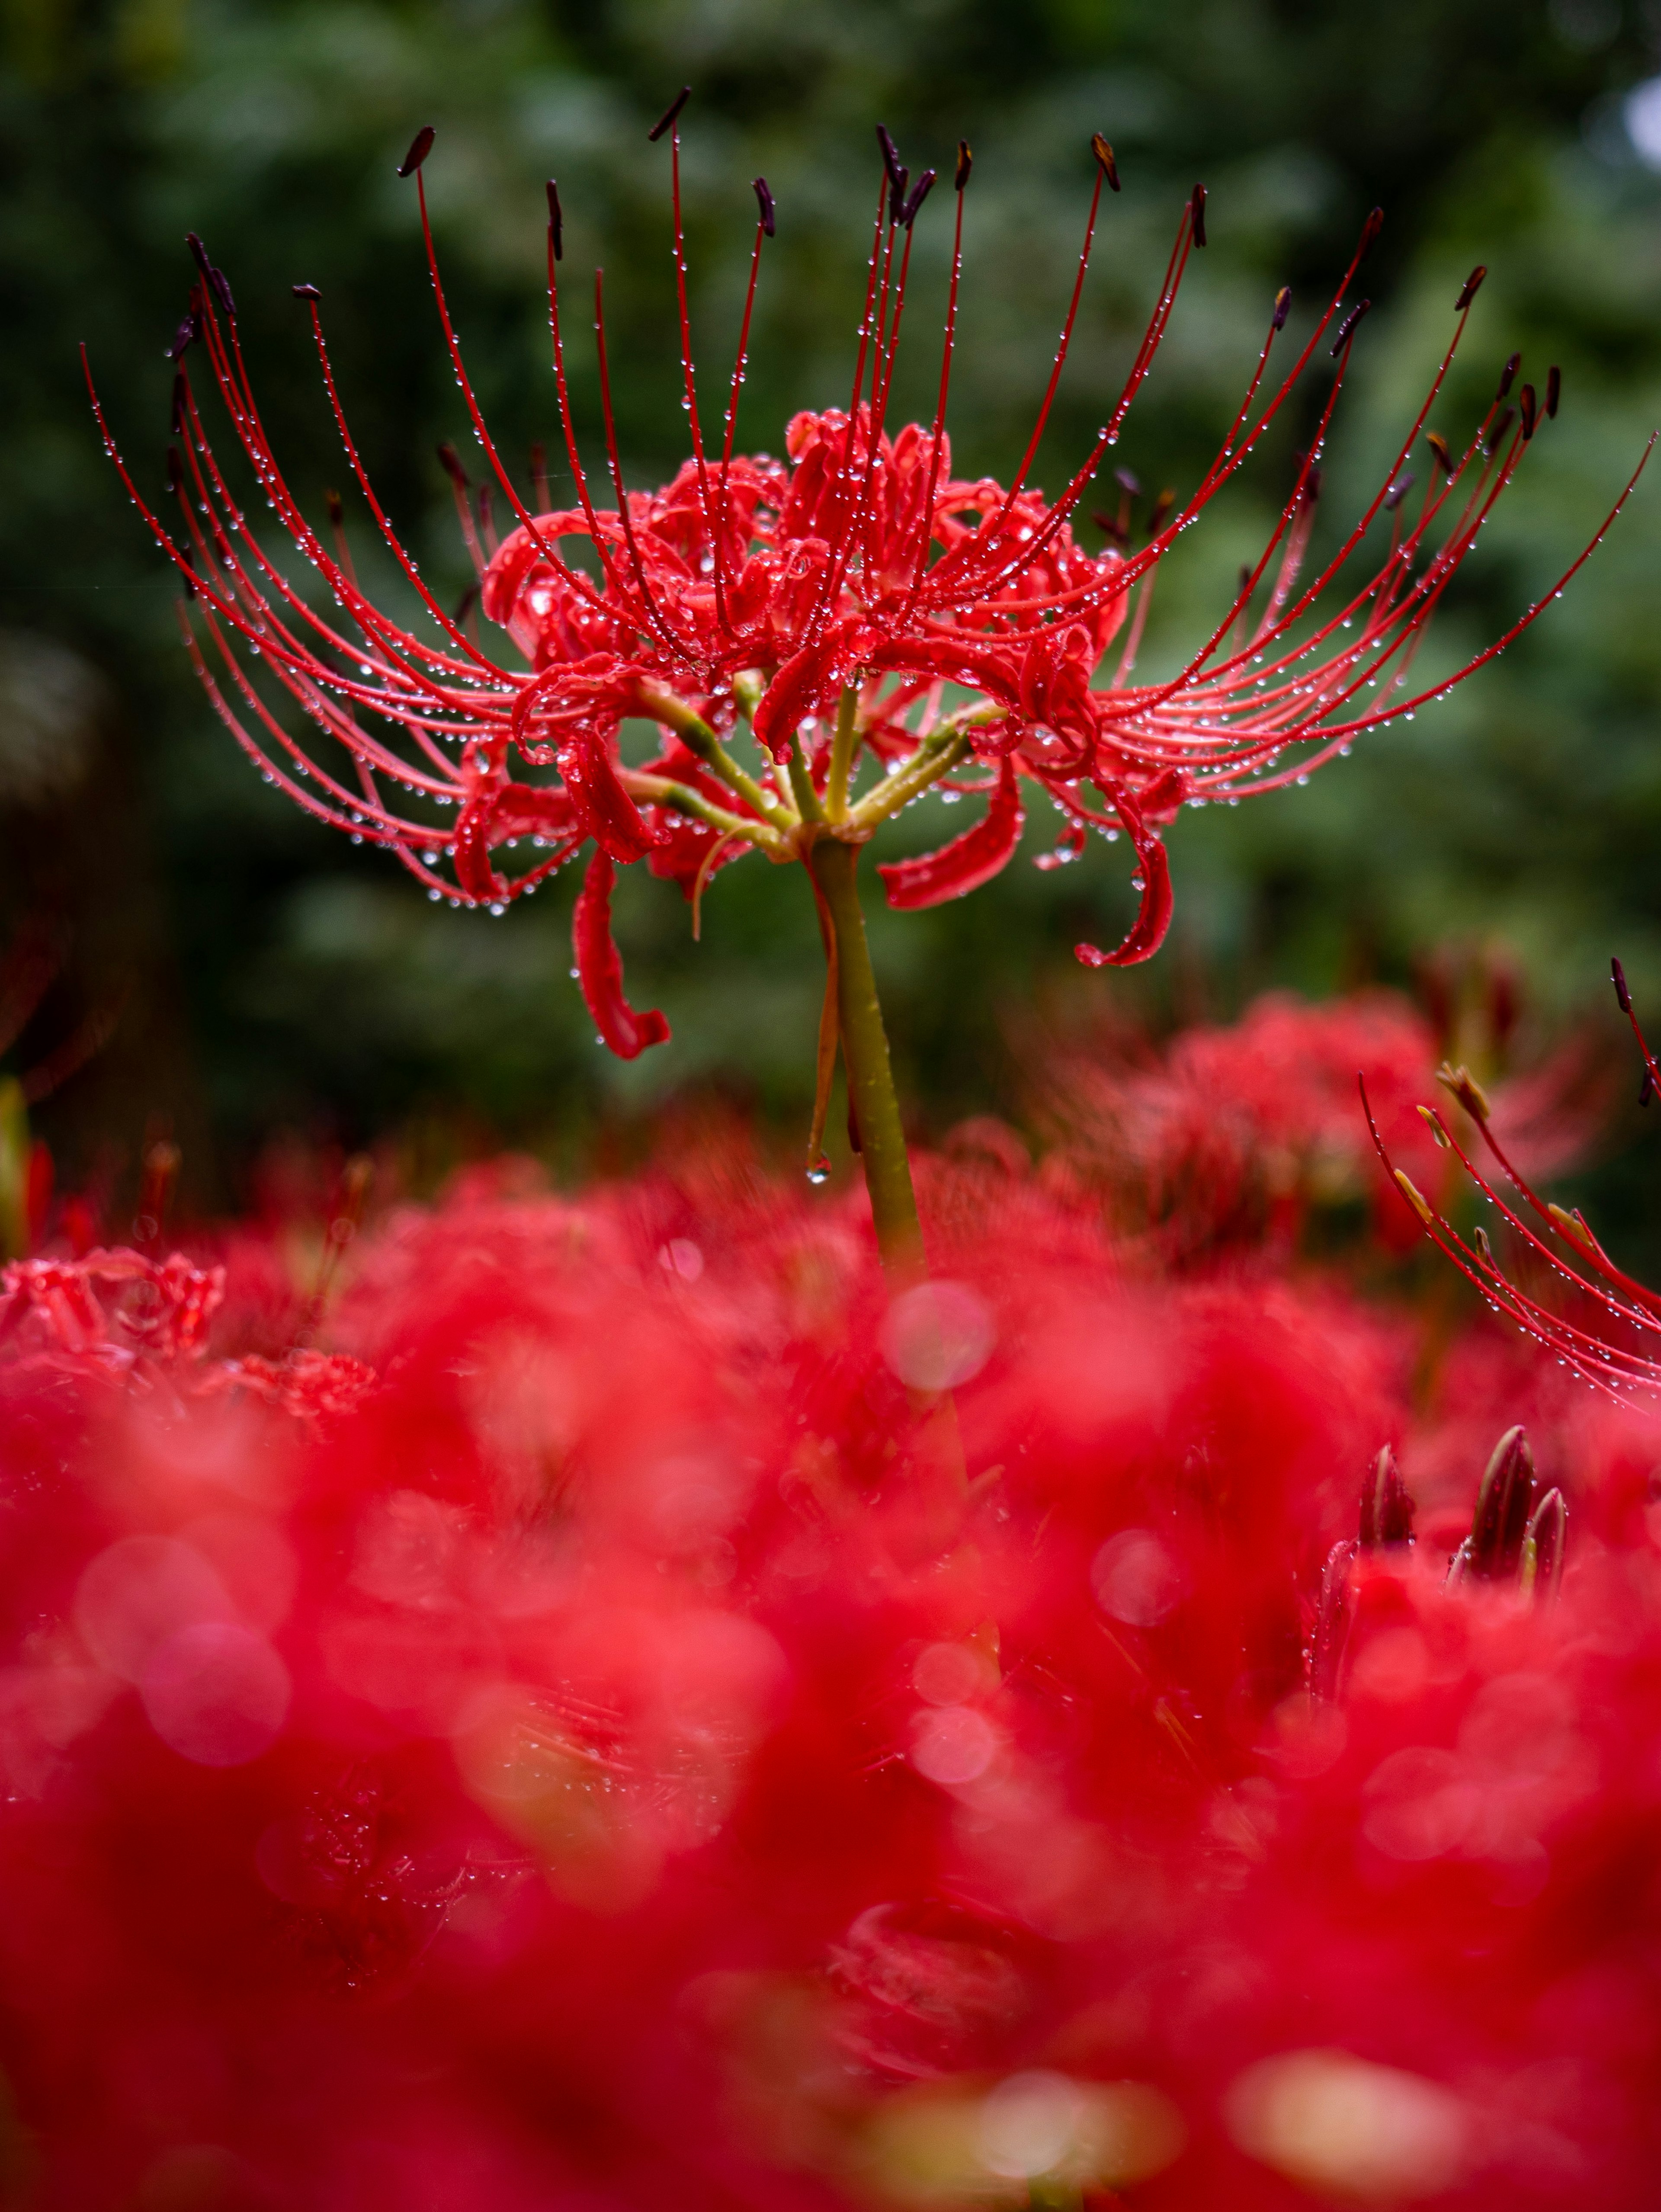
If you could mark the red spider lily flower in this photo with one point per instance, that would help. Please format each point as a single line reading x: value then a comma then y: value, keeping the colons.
x: 1608, y: 1333
x: 831, y: 604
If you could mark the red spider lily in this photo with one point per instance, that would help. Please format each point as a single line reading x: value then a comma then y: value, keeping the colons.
x: 832, y: 605
x: 1614, y: 1316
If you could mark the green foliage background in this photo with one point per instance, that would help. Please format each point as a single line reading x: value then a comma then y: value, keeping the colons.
x: 270, y: 975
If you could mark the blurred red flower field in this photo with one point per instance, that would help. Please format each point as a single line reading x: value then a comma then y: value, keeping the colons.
x: 621, y: 1707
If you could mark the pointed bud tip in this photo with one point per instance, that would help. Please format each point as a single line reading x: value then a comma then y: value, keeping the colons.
x: 419, y: 146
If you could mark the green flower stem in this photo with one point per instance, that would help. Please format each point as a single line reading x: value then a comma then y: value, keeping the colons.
x: 933, y: 760
x: 696, y: 734
x: 662, y: 791
x: 802, y: 783
x: 843, y: 747
x: 865, y: 1055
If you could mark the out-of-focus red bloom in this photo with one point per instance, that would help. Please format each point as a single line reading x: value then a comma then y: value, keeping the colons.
x: 1234, y: 1134
x: 834, y: 604
x: 626, y: 1754
x: 1573, y: 1299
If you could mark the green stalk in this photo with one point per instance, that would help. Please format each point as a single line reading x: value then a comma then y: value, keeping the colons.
x: 865, y: 1056
x: 841, y: 752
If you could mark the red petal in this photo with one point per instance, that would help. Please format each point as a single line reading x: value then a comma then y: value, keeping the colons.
x: 516, y: 809
x: 801, y: 688
x: 472, y: 849
x: 600, y: 968
x: 601, y: 805
x: 1146, y: 933
x: 967, y: 862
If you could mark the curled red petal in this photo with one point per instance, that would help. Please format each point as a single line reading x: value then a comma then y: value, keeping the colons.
x: 1146, y: 933
x: 514, y: 810
x: 600, y: 806
x: 600, y: 968
x: 802, y: 686
x: 968, y: 861
x: 477, y: 878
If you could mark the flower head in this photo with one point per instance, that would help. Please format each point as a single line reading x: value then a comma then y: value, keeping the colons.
x: 834, y: 605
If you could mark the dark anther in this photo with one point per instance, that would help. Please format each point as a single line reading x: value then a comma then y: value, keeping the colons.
x: 555, y: 219
x: 1282, y: 307
x: 965, y: 163
x: 221, y: 291
x: 181, y: 393
x: 1127, y: 483
x: 764, y: 202
x: 1508, y: 375
x: 1469, y: 289
x: 1160, y: 513
x: 1554, y: 388
x: 908, y: 213
x: 1369, y: 230
x: 1197, y: 209
x: 1501, y: 425
x: 1109, y: 525
x: 450, y: 462
x: 1526, y: 406
x: 419, y: 146
x: 187, y: 332
x: 337, y: 511
x: 666, y: 120
x: 1347, y: 328
x: 175, y: 471
x: 1647, y: 1089
x: 1623, y: 996
x: 199, y: 252
x: 897, y: 174
x: 306, y: 292
x: 1439, y: 446
x: 1104, y: 153
x: 1397, y: 492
